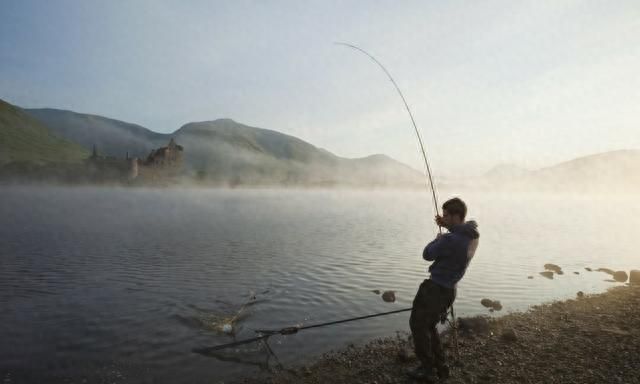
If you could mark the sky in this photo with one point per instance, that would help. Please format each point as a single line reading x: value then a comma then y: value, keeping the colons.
x: 530, y: 83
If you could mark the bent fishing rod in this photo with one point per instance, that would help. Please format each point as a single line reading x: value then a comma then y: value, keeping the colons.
x: 413, y: 122
x: 424, y: 156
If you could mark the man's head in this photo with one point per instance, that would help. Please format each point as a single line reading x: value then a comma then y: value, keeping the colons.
x: 453, y: 212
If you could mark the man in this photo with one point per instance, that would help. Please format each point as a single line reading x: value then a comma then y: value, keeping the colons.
x: 451, y: 253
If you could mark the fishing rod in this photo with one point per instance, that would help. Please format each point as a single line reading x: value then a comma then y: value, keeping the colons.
x: 413, y: 122
x: 264, y: 334
x: 424, y: 156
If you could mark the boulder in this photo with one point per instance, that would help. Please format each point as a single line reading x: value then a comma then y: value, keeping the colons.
x: 634, y: 277
x: 576, y: 273
x: 376, y: 291
x: 553, y: 267
x: 389, y: 296
x: 509, y: 335
x: 529, y: 277
x: 493, y: 305
x: 488, y: 303
x: 620, y: 276
x: 606, y: 270
x: 588, y: 269
x: 580, y: 294
x: 547, y: 274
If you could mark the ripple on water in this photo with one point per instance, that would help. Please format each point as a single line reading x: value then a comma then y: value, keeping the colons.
x: 97, y: 278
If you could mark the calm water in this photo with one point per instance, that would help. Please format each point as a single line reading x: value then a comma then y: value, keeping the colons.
x: 107, y: 284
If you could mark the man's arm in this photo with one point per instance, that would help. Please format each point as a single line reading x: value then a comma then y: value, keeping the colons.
x: 434, y: 248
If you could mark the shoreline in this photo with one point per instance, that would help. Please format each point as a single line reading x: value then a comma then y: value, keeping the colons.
x: 590, y: 339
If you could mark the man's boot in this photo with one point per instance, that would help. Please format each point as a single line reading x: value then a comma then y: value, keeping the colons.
x: 443, y: 372
x: 422, y: 374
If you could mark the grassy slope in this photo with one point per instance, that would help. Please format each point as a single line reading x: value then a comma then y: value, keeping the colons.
x: 111, y: 137
x: 23, y: 139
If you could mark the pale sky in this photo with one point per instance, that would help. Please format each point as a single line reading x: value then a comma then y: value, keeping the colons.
x: 530, y: 83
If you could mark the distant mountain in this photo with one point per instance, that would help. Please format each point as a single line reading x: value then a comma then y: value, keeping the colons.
x: 226, y: 152
x: 504, y: 172
x: 24, y: 140
x: 231, y: 152
x: 615, y: 171
x: 111, y: 137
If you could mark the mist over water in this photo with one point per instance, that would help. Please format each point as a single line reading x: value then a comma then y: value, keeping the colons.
x: 112, y: 283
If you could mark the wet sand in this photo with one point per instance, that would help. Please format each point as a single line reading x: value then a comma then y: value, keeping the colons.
x: 591, y: 339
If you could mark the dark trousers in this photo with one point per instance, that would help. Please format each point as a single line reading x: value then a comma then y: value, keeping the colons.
x: 430, y: 303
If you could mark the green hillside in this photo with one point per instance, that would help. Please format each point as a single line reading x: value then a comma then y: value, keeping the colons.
x: 25, y: 140
x: 111, y: 137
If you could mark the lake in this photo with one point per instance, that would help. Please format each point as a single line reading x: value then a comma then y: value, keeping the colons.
x: 118, y: 285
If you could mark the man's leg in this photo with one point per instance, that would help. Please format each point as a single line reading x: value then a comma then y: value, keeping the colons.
x: 438, y: 353
x: 421, y: 336
x: 424, y: 317
x: 447, y: 297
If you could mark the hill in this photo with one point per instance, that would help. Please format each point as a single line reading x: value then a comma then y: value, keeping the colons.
x: 230, y: 153
x: 111, y: 137
x: 608, y: 171
x: 614, y: 171
x: 24, y: 140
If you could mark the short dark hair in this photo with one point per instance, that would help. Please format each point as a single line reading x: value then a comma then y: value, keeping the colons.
x: 455, y: 206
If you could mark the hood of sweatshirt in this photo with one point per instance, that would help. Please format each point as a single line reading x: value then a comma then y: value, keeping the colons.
x: 469, y: 229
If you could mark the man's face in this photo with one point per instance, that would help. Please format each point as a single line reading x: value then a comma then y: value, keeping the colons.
x: 449, y: 220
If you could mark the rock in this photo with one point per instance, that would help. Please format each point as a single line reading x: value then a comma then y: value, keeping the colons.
x: 478, y: 325
x: 606, y: 270
x: 389, y: 296
x: 529, y: 277
x: 494, y: 305
x: 488, y: 303
x: 588, y: 269
x: 634, y: 277
x: 620, y: 276
x: 553, y: 267
x: 509, y: 335
x: 560, y: 273
x: 547, y: 274
x: 576, y: 273
x: 376, y: 291
x: 580, y: 294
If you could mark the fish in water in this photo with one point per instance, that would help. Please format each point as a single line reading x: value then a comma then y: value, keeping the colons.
x: 226, y: 323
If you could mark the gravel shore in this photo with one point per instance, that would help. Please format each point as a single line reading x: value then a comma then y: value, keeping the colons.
x: 591, y: 339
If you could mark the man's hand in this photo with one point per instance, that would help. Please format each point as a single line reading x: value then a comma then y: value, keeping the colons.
x: 438, y: 220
